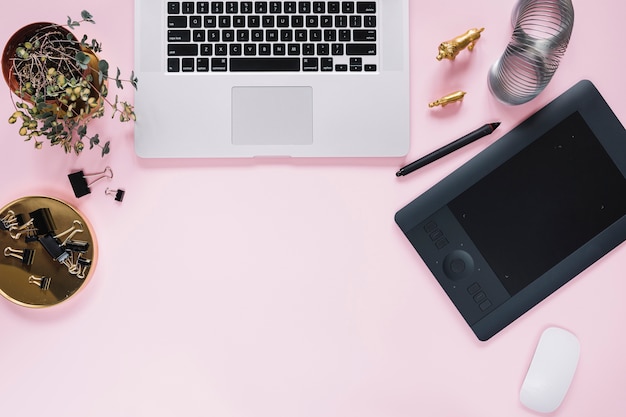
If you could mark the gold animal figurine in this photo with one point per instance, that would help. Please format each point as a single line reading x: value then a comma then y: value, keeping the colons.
x: 450, y: 49
x: 450, y: 98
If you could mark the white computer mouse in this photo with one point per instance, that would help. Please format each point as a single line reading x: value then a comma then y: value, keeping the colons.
x: 551, y: 370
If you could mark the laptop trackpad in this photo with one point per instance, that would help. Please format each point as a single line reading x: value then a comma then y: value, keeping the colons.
x: 272, y: 115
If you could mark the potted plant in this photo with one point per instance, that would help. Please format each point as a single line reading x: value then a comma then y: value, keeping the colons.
x: 60, y: 85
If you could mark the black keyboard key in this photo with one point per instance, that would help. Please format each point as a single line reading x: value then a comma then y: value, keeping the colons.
x: 290, y: 7
x: 319, y: 7
x: 176, y: 22
x: 188, y: 7
x: 304, y: 7
x: 224, y: 21
x: 361, y: 49
x: 264, y: 64
x: 173, y: 7
x: 202, y: 7
x: 246, y: 7
x: 202, y: 65
x: 364, y: 35
x: 232, y: 7
x: 210, y: 22
x: 260, y: 7
x: 334, y: 7
x: 206, y: 49
x: 182, y: 49
x: 249, y: 49
x: 347, y: 7
x: 195, y: 22
x: 310, y: 64
x: 188, y: 64
x: 217, y: 7
x: 327, y: 64
x: 199, y: 35
x: 276, y: 7
x: 219, y: 64
x: 178, y: 36
x: 356, y: 64
x: 366, y: 7
x: 173, y: 65
x: 370, y: 67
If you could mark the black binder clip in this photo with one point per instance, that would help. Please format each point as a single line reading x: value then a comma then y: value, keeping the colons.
x: 12, y: 221
x: 118, y: 194
x: 79, y: 183
x: 43, y: 221
x: 42, y: 282
x: 25, y: 255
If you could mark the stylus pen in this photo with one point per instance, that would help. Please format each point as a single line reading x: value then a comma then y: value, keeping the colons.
x: 449, y: 148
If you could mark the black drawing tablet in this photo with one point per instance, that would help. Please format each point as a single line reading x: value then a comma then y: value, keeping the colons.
x: 528, y: 213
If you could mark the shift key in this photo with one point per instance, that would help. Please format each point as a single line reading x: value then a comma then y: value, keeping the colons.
x: 361, y: 49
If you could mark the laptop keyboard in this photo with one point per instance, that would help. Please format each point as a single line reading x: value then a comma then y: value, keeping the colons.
x: 272, y: 36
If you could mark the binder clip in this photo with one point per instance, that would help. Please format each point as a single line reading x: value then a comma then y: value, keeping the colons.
x: 43, y: 221
x: 82, y: 265
x: 54, y: 248
x: 26, y: 228
x: 118, y: 194
x: 9, y: 221
x: 79, y: 183
x: 25, y: 255
x: 41, y: 282
x: 12, y: 221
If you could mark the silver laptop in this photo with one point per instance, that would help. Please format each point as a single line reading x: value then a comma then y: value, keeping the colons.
x: 272, y: 78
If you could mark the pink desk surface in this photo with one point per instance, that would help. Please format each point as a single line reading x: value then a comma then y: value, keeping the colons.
x: 283, y: 288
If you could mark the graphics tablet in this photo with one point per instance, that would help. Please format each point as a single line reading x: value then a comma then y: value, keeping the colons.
x: 527, y: 214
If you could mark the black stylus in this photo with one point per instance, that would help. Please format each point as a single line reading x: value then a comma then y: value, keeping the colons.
x: 449, y: 148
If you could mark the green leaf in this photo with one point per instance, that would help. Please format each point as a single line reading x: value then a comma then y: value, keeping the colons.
x: 133, y: 80
x: 118, y: 82
x: 94, y: 141
x: 82, y: 131
x: 82, y: 59
x: 87, y: 16
x: 103, y: 66
x: 106, y: 148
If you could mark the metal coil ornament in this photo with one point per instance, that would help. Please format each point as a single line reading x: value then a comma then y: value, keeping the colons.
x: 541, y: 33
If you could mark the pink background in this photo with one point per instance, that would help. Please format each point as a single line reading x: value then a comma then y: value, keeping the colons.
x: 283, y: 288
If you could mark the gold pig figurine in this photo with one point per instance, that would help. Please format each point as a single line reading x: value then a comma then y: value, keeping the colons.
x: 450, y: 98
x: 450, y: 49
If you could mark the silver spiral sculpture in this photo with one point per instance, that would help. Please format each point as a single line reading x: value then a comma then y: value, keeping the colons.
x: 542, y: 30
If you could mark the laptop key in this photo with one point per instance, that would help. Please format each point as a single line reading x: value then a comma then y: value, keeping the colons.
x: 366, y: 7
x: 264, y: 64
x: 361, y: 49
x: 182, y: 49
x: 178, y: 35
x: 173, y: 65
x: 177, y: 22
x: 219, y: 64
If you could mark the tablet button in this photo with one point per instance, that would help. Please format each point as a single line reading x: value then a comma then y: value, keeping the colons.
x: 430, y: 227
x: 485, y: 305
x: 480, y: 297
x: 474, y: 288
x: 458, y: 265
x: 441, y: 242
